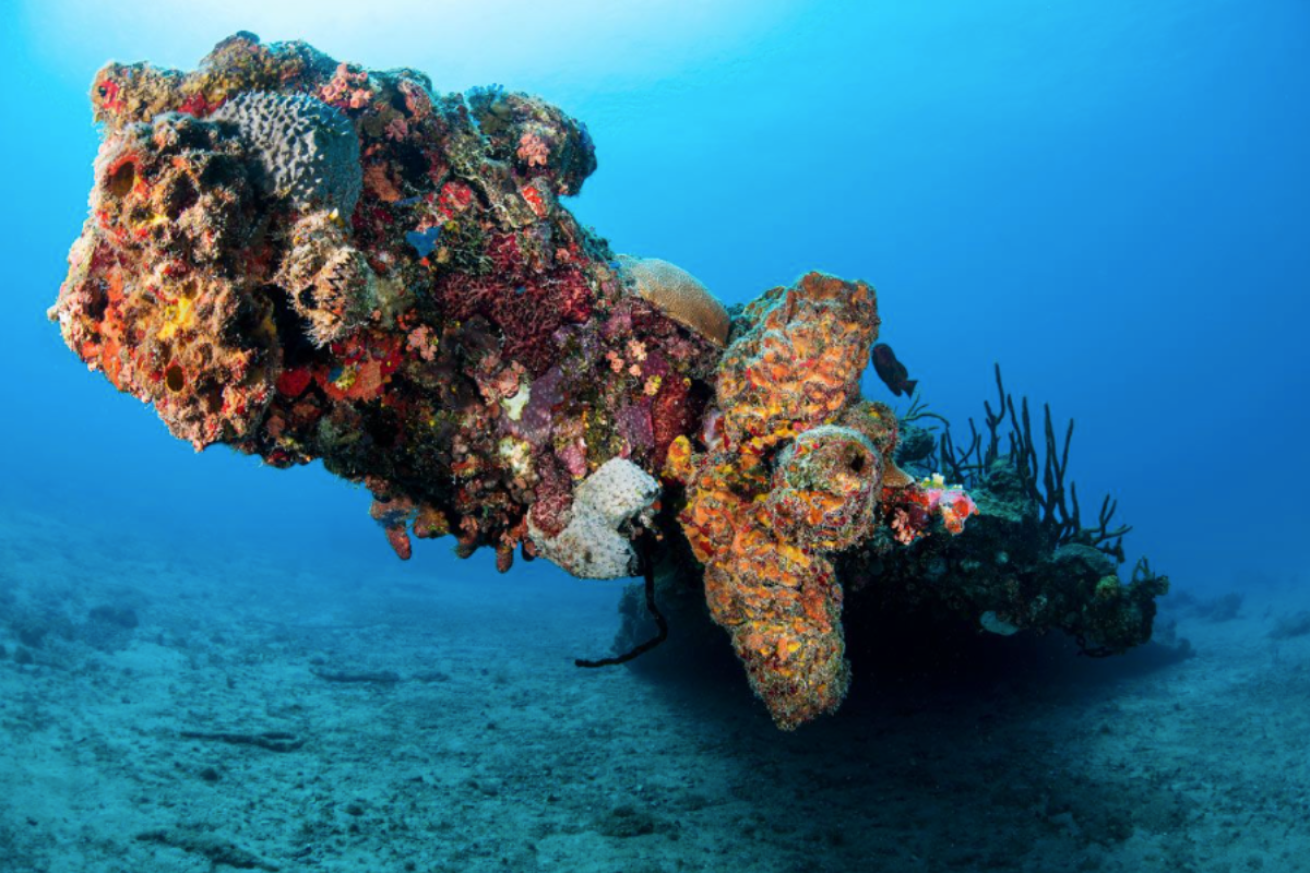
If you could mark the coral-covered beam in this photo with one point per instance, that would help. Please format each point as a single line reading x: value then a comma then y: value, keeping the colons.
x: 309, y: 260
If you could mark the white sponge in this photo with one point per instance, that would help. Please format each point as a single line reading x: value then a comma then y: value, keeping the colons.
x: 591, y: 546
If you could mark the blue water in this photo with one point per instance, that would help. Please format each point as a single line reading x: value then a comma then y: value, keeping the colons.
x: 1109, y: 199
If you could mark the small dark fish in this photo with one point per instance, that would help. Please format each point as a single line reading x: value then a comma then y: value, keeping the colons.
x: 891, y: 371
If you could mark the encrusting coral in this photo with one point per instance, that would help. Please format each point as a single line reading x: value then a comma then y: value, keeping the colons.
x: 795, y: 470
x: 309, y: 260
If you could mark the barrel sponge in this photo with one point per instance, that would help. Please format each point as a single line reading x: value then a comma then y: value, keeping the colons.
x: 592, y: 544
x: 308, y: 151
x: 825, y: 488
x: 329, y: 281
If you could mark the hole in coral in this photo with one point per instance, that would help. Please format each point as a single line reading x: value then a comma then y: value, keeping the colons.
x: 292, y: 329
x: 212, y: 400
x: 413, y: 165
x: 857, y: 464
x: 122, y: 179
x: 184, y: 196
x: 383, y: 427
x: 174, y: 379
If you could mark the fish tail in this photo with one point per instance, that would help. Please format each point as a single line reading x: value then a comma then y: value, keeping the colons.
x: 909, y: 385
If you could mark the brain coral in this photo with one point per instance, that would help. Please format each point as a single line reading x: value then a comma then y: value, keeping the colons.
x: 308, y: 151
x: 679, y: 295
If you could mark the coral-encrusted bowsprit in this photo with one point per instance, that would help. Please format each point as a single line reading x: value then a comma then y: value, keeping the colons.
x: 309, y: 260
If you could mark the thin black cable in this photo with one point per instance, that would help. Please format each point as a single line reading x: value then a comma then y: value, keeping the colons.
x: 648, y: 568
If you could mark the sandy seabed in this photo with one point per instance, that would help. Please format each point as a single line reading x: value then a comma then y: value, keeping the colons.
x: 160, y: 713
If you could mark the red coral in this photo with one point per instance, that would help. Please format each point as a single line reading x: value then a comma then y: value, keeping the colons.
x: 108, y: 91
x: 528, y: 309
x: 196, y: 104
x: 455, y: 198
x: 674, y: 413
x: 553, y: 497
x: 293, y: 383
x: 534, y: 200
x: 400, y: 543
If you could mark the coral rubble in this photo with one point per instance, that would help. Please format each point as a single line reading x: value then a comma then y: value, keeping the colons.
x: 308, y: 260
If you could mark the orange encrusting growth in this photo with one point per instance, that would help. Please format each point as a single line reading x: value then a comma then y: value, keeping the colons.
x: 787, y: 484
x: 155, y: 296
x: 800, y: 365
x: 797, y: 467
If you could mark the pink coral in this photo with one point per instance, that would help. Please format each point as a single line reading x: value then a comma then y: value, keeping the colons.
x: 911, y: 511
x: 533, y: 151
x: 348, y: 88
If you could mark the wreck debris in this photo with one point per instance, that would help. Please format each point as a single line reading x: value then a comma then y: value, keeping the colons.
x: 358, y: 677
x: 213, y: 848
x: 273, y: 741
x: 307, y: 260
